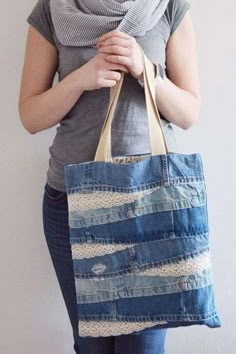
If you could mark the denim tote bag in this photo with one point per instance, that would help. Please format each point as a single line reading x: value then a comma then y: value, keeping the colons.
x: 139, y: 234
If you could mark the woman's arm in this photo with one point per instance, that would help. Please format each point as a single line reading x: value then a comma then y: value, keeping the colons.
x: 178, y: 98
x: 40, y: 105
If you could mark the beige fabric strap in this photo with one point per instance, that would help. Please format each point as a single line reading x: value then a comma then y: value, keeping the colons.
x: 156, y: 134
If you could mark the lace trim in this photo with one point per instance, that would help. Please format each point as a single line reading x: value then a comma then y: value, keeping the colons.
x: 184, y: 267
x: 84, y: 250
x: 100, y: 199
x: 190, y: 266
x: 109, y: 328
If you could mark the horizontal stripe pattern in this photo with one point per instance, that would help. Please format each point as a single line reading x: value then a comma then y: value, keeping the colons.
x: 81, y: 23
x: 158, y: 225
x: 141, y: 256
x: 133, y: 285
x: 182, y: 267
x: 140, y: 252
x: 185, y: 306
x: 96, y: 208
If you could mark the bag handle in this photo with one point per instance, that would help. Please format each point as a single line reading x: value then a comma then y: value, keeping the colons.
x: 156, y: 134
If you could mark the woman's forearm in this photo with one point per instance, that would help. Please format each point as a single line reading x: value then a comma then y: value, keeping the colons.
x: 44, y: 110
x: 177, y: 105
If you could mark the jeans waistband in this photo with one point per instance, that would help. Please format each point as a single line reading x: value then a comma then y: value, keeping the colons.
x: 158, y: 170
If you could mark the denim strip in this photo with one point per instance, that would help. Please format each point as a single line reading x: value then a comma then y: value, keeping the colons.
x: 90, y: 290
x: 159, y: 225
x: 171, y: 307
x: 163, y: 199
x: 144, y: 172
x: 141, y: 256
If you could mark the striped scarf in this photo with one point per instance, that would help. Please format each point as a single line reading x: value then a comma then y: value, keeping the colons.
x: 82, y: 22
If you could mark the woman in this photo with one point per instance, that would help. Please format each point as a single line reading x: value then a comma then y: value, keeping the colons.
x: 88, y: 64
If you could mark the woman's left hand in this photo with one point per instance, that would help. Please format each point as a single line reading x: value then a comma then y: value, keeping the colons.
x: 123, y: 49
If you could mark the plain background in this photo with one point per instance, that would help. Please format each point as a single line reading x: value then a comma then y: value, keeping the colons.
x: 33, y: 317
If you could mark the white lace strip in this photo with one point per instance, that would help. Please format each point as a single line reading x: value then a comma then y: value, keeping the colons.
x: 109, y: 328
x: 100, y: 199
x: 85, y: 250
x: 188, y: 267
x: 177, y: 268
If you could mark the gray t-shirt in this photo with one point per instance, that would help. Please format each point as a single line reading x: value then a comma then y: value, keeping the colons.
x: 78, y: 133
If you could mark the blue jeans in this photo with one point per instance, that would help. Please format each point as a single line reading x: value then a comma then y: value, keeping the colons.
x: 56, y: 230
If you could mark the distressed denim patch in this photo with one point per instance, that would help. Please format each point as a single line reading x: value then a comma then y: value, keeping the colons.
x: 142, y: 256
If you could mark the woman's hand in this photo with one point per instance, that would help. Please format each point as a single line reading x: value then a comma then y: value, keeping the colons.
x: 98, y: 73
x: 120, y: 48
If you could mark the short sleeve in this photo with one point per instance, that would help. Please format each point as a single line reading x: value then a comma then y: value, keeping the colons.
x: 176, y: 11
x: 40, y: 18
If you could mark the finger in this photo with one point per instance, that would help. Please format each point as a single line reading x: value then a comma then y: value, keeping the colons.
x: 113, y: 75
x: 113, y: 66
x: 114, y: 49
x: 114, y: 41
x: 113, y: 33
x: 123, y: 68
x: 109, y: 83
x: 119, y: 59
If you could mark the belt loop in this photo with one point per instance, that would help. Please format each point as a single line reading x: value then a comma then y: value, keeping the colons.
x: 165, y: 170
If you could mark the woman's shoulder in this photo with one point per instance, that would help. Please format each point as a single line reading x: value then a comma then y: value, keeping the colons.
x: 177, y: 3
x: 175, y: 11
x: 40, y: 18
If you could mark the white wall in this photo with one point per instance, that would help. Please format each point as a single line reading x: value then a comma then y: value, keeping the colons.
x: 33, y: 317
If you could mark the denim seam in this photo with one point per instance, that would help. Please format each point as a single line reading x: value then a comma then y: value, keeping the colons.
x: 189, y: 285
x: 174, y: 317
x: 165, y: 170
x: 145, y: 209
x: 98, y: 186
x: 117, y: 187
x: 184, y: 203
x: 161, y: 237
x: 144, y: 266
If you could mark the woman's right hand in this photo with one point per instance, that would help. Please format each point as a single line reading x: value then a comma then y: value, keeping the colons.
x: 98, y: 73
